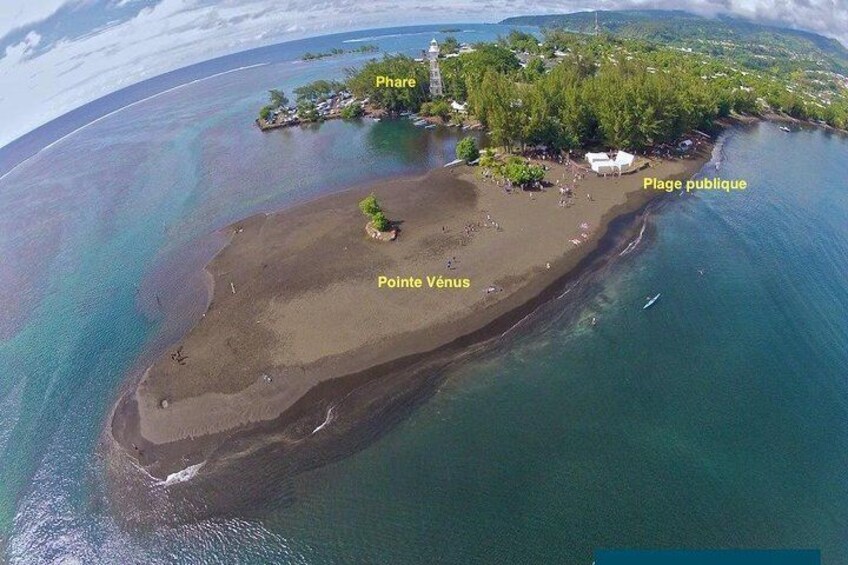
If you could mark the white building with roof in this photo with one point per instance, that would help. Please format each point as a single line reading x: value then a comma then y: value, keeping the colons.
x: 603, y: 164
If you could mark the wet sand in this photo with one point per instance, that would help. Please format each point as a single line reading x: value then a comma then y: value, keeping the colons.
x: 299, y: 344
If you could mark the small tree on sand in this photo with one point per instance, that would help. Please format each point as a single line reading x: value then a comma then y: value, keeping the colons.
x: 369, y: 205
x: 467, y: 150
x: 371, y: 208
x: 380, y: 221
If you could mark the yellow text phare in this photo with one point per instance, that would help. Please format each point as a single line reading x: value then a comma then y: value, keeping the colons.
x: 438, y: 282
x: 390, y: 82
x: 713, y: 183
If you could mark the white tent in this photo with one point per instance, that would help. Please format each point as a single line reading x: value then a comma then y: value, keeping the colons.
x: 592, y: 157
x: 624, y: 160
x: 604, y: 167
x: 602, y: 164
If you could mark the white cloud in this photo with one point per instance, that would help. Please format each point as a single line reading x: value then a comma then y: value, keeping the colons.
x: 15, y: 14
x: 37, y: 85
x: 19, y: 51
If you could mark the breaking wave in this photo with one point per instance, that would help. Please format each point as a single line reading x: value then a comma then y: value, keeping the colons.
x: 633, y: 244
x: 181, y: 476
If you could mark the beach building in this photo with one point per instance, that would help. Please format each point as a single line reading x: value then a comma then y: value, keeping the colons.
x: 600, y: 163
x: 603, y: 164
x: 592, y: 158
x: 624, y: 161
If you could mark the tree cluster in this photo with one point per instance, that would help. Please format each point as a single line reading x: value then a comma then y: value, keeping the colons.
x: 362, y: 83
x: 593, y: 96
x: 371, y: 208
x: 318, y: 90
x: 515, y: 169
x: 440, y: 108
x: 277, y: 99
x: 306, y: 112
x: 521, y: 173
x: 351, y: 111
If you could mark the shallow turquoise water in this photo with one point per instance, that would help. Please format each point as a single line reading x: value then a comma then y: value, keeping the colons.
x: 717, y: 419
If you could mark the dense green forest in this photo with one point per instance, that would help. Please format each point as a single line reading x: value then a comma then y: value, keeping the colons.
x: 574, y: 90
x: 798, y: 72
x: 600, y: 92
x: 638, y: 83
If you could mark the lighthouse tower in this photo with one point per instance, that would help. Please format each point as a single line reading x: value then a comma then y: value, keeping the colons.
x: 435, y: 75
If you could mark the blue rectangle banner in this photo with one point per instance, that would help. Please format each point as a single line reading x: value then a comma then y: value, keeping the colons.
x: 709, y: 557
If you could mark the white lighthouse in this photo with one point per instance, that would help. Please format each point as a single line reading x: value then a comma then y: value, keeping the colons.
x: 435, y: 75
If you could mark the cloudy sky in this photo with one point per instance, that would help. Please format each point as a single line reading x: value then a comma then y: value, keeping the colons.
x: 56, y: 55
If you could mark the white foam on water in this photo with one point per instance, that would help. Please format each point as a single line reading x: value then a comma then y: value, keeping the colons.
x: 717, y: 155
x: 181, y: 476
x: 567, y: 290
x: 633, y: 244
x: 518, y: 323
x: 386, y: 36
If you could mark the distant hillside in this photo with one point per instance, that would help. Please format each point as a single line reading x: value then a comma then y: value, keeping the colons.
x: 754, y: 45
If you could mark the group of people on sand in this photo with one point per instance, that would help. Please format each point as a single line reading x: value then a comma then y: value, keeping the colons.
x: 472, y: 227
x: 567, y: 191
x: 178, y: 357
x: 489, y: 175
x: 566, y: 196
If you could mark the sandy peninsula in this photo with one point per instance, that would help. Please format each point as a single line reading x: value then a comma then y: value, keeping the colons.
x: 295, y: 305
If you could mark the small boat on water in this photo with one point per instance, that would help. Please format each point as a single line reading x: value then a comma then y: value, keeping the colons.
x: 786, y: 129
x: 431, y: 126
x: 651, y: 302
x: 420, y: 123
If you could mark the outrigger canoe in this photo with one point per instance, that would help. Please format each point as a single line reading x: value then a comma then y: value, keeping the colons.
x: 650, y: 302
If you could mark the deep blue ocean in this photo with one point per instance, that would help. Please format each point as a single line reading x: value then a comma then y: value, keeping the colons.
x: 718, y: 418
